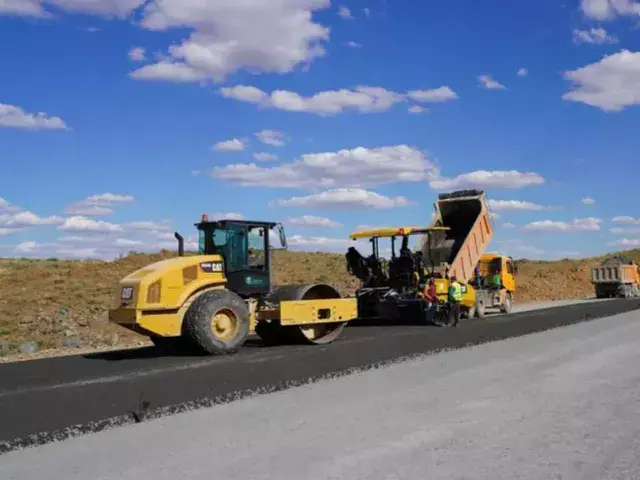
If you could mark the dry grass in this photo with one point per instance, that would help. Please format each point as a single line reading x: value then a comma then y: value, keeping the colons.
x: 48, y: 301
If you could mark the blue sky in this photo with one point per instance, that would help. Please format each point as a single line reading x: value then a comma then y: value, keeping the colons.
x: 124, y: 120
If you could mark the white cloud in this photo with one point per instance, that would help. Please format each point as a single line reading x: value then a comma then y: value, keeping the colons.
x: 359, y: 167
x: 627, y: 220
x: 26, y: 247
x: 353, y: 44
x: 233, y: 145
x: 272, y: 137
x: 363, y: 99
x: 416, y: 109
x: 609, y: 9
x: 597, y: 36
x: 27, y: 8
x: 342, y: 198
x: 301, y: 242
x: 85, y: 224
x: 502, y: 205
x: 137, y: 54
x: 488, y: 82
x: 311, y: 221
x: 578, y: 225
x: 345, y: 13
x: 483, y: 179
x: 435, y: 95
x: 27, y: 219
x: 15, y: 117
x: 588, y: 201
x: 508, y: 225
x: 6, y: 207
x: 523, y: 72
x: 96, y: 205
x: 272, y: 36
x: 611, y: 84
x: 626, y: 243
x: 265, y: 157
x: 367, y: 12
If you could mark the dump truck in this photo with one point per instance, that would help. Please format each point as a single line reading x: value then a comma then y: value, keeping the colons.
x: 211, y: 302
x: 495, y: 283
x: 458, y: 249
x: 453, y: 244
x: 616, y: 277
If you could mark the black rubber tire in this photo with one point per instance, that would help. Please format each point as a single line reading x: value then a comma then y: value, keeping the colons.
x: 271, y: 333
x: 508, y: 304
x: 197, y: 322
x: 481, y: 308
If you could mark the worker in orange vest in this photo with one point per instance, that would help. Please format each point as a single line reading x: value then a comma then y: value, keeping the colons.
x: 431, y: 298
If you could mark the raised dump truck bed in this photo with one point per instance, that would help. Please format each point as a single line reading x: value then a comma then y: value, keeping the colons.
x: 470, y: 229
x: 616, y: 277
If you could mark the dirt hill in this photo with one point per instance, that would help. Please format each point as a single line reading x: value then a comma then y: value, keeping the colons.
x: 63, y: 303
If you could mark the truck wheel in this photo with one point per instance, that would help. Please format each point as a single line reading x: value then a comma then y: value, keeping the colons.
x: 506, y: 308
x: 481, y: 308
x: 217, y: 322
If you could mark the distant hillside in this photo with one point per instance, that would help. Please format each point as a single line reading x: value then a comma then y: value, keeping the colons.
x: 64, y: 301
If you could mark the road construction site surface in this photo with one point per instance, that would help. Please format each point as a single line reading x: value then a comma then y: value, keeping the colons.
x: 563, y: 403
x: 53, y: 399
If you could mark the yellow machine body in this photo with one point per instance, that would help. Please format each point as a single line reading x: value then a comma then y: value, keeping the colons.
x: 154, y: 299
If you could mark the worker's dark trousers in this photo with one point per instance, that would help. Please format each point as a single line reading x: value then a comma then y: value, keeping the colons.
x: 454, y: 313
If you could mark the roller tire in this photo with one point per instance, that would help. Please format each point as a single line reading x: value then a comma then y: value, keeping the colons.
x: 481, y: 308
x: 293, y: 334
x: 197, y: 322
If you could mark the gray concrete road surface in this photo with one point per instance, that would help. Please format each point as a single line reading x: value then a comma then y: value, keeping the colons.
x: 561, y: 404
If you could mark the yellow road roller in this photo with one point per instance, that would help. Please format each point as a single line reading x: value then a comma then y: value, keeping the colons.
x: 214, y: 300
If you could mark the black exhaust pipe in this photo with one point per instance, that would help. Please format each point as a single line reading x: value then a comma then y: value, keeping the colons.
x: 180, y: 244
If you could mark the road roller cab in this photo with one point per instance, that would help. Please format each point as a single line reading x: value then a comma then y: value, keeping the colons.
x: 215, y: 299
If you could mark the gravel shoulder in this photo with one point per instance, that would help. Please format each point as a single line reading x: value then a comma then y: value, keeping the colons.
x: 557, y: 404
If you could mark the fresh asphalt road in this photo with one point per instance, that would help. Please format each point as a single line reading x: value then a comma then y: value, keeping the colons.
x: 563, y: 403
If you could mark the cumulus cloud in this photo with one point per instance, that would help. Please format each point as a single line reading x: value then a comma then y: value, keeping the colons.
x: 265, y: 157
x: 609, y: 9
x: 137, y: 54
x: 353, y: 44
x: 416, y: 109
x: 272, y: 36
x: 523, y: 72
x: 311, y: 221
x: 15, y: 117
x: 272, y: 137
x: 233, y: 145
x: 578, y: 225
x: 503, y: 205
x: 84, y: 224
x: 345, y: 198
x: 483, y: 179
x: 345, y: 13
x: 363, y: 99
x: 597, y: 36
x: 611, y: 84
x: 588, y: 201
x: 359, y: 167
x: 6, y: 207
x: 27, y: 219
x: 488, y: 82
x: 100, y: 204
